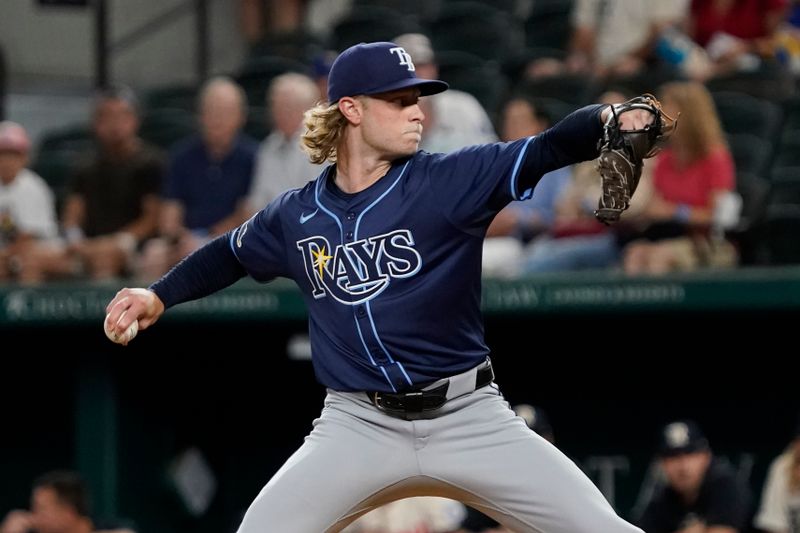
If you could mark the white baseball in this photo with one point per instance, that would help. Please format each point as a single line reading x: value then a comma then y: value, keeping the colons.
x: 126, y: 337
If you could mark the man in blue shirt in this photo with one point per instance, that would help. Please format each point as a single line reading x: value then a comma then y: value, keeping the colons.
x: 208, y: 179
x: 385, y: 246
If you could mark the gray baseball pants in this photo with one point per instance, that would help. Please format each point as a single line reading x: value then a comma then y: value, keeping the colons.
x: 474, y: 449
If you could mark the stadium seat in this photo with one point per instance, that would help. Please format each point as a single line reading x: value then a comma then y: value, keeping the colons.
x: 752, y: 154
x: 367, y: 24
x: 165, y: 127
x: 55, y: 166
x: 173, y: 97
x: 469, y: 73
x: 478, y: 29
x: 781, y: 228
x: 549, y: 24
x: 785, y: 186
x: 743, y: 113
x: 299, y: 45
x: 75, y: 138
x: 257, y: 73
x: 257, y: 125
x: 575, y: 89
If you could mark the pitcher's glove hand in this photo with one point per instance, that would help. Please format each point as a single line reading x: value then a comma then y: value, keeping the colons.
x: 623, y: 151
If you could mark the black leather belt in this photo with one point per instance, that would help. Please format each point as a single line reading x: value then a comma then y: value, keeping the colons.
x: 424, y: 400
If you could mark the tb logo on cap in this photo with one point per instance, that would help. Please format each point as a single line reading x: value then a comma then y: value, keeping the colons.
x: 405, y: 58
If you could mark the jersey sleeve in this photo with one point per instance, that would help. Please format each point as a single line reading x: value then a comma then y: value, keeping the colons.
x: 259, y: 243
x: 473, y: 184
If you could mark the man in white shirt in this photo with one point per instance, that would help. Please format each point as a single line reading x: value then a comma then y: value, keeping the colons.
x: 280, y: 163
x: 27, y: 206
x: 615, y: 37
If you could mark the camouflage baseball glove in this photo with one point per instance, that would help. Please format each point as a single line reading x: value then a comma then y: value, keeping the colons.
x: 622, y: 153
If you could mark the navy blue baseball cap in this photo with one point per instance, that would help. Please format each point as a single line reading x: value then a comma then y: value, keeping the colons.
x: 373, y: 68
x: 681, y: 437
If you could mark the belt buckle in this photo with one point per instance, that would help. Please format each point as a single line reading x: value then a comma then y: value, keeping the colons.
x: 409, y: 402
x: 413, y: 402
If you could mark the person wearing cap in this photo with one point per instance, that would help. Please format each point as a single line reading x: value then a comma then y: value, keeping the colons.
x: 27, y: 205
x: 780, y: 498
x: 701, y: 493
x: 453, y: 119
x: 385, y: 246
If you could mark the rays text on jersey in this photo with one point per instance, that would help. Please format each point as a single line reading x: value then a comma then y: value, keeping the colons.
x: 355, y: 272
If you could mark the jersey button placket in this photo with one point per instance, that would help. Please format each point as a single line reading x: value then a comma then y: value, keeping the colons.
x: 349, y: 225
x: 360, y: 311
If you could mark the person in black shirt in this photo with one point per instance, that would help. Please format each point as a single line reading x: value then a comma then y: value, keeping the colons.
x: 701, y: 493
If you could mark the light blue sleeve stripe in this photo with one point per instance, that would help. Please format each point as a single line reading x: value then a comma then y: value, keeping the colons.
x: 517, y: 164
x: 326, y: 210
x: 233, y: 238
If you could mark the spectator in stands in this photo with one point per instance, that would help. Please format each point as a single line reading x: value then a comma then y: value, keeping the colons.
x: 575, y: 239
x: 780, y: 499
x: 112, y: 204
x: 693, y: 179
x: 701, y: 493
x: 208, y: 179
x: 453, y: 119
x: 524, y: 116
x: 736, y: 34
x: 281, y: 164
x: 60, y: 503
x: 517, y: 223
x: 615, y: 38
x: 27, y: 206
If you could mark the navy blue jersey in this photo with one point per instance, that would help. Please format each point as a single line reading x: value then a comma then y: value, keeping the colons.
x: 391, y: 274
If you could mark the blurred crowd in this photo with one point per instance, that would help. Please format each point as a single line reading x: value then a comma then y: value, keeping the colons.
x: 155, y: 173
x: 146, y: 181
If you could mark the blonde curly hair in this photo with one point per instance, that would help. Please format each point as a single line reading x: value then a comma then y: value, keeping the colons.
x: 325, y: 126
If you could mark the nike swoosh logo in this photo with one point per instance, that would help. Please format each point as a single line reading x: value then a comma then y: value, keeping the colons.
x: 305, y: 218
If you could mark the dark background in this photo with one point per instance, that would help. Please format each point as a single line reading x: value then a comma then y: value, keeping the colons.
x: 607, y: 383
